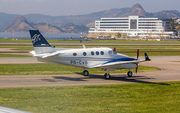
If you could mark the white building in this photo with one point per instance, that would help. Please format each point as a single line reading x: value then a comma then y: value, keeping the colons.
x: 134, y: 26
x: 177, y: 21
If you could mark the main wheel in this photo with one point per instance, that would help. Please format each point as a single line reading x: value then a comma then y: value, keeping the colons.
x: 85, y: 73
x: 129, y: 73
x: 107, y: 76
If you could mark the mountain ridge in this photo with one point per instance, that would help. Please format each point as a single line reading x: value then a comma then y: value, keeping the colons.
x: 87, y: 19
x: 20, y: 24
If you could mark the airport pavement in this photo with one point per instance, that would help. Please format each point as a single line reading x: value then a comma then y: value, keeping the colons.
x: 18, y: 60
x: 169, y: 66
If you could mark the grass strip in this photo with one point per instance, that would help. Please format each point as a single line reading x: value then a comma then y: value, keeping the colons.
x: 119, y: 49
x: 154, y: 54
x: 161, y: 97
x: 48, y: 69
x: 19, y: 40
x: 93, y: 41
x: 13, y: 55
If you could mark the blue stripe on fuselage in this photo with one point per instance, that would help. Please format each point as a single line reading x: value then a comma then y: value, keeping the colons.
x: 121, y: 59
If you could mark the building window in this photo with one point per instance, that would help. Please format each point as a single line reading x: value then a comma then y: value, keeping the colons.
x: 97, y: 52
x: 74, y: 54
x: 102, y: 52
x: 92, y: 53
x: 84, y: 53
x: 133, y: 24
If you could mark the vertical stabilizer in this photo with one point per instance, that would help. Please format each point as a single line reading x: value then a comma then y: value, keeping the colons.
x: 37, y: 39
x: 39, y: 42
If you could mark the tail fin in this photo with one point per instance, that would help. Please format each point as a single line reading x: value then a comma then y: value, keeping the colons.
x: 37, y: 39
x: 39, y: 42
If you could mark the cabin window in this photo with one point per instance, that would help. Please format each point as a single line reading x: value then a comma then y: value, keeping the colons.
x: 74, y: 54
x: 97, y: 52
x: 102, y: 52
x: 84, y: 53
x: 92, y: 53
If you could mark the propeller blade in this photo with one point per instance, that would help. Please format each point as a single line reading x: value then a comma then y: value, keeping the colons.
x: 137, y: 52
x: 114, y: 49
x: 136, y: 68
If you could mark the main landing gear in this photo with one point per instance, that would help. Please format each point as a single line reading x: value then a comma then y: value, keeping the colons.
x: 85, y: 73
x: 107, y: 75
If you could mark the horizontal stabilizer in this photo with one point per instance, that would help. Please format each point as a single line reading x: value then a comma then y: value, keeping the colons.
x: 32, y: 52
x: 45, y: 55
x: 52, y: 54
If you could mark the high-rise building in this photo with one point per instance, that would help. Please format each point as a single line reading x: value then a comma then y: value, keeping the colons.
x: 134, y: 26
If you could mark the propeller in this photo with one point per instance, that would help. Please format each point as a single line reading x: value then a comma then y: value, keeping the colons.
x: 114, y: 49
x: 137, y: 52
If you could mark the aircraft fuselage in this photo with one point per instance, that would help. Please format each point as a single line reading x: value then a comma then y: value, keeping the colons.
x: 89, y: 57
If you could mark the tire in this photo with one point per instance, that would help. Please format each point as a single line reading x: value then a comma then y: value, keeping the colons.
x: 129, y: 73
x: 107, y: 76
x: 85, y: 73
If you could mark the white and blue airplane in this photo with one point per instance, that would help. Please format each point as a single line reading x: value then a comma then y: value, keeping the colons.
x: 104, y: 58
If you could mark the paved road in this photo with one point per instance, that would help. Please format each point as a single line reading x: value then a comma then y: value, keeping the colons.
x: 169, y: 72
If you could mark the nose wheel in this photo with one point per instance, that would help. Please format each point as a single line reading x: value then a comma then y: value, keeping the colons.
x: 129, y: 74
x: 107, y: 76
x: 85, y: 73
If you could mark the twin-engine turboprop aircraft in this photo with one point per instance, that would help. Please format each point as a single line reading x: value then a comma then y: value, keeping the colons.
x: 104, y: 58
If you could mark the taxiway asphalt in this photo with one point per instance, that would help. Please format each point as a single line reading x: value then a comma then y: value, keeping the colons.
x: 169, y: 65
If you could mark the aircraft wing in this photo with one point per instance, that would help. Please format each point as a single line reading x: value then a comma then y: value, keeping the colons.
x: 107, y: 65
x: 117, y: 62
x: 45, y: 55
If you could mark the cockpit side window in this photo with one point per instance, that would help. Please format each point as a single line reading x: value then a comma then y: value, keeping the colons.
x: 110, y: 52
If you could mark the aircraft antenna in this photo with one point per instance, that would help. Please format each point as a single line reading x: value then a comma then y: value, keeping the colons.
x: 84, y: 46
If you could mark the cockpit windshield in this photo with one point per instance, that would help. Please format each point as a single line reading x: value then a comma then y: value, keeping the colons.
x: 112, y: 52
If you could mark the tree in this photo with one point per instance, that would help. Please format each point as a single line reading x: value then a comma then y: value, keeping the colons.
x: 118, y: 35
x: 178, y: 27
x: 172, y: 26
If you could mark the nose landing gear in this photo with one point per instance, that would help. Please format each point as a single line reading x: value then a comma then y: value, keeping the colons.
x: 129, y: 73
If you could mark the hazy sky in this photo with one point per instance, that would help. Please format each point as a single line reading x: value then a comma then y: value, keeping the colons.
x: 77, y: 7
